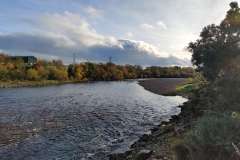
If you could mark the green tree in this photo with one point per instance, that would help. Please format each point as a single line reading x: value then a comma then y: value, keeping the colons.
x: 217, y: 44
x: 90, y: 70
x: 71, y: 70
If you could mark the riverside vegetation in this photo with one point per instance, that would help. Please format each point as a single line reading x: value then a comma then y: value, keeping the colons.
x: 208, y: 127
x: 216, y: 134
x: 14, y: 72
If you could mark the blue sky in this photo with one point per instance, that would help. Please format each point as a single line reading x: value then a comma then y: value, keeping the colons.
x: 145, y: 32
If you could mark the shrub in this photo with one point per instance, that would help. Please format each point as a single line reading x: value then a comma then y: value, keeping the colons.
x: 212, y: 137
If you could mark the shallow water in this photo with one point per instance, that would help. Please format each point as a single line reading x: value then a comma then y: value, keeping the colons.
x: 80, y: 121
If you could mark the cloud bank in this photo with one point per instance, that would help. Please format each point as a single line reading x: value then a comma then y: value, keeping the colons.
x: 61, y: 35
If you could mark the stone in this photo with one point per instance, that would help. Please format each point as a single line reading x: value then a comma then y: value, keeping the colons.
x: 143, y: 154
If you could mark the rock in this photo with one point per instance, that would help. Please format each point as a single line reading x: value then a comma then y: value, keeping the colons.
x: 119, y: 156
x: 143, y: 154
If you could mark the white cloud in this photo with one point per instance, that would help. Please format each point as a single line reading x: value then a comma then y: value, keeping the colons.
x: 149, y: 27
x: 162, y: 25
x: 146, y: 26
x: 120, y: 17
x: 129, y: 34
x: 142, y: 46
x: 71, y: 30
x: 63, y: 34
x: 93, y: 12
x: 182, y: 54
x: 74, y: 29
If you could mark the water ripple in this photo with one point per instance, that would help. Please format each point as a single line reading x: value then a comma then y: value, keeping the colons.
x: 78, y: 121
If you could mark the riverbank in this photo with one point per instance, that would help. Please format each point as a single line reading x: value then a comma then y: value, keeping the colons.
x: 42, y: 83
x: 162, y: 143
x: 167, y: 86
x: 162, y: 86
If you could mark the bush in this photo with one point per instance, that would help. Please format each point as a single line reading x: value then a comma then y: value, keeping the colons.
x: 212, y: 137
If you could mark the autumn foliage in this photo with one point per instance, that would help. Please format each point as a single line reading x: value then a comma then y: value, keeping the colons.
x: 55, y: 70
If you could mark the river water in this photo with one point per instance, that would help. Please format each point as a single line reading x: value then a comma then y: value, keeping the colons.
x: 78, y: 121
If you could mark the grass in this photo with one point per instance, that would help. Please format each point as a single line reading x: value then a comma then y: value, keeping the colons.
x: 16, y: 84
x: 191, y: 85
x: 185, y: 88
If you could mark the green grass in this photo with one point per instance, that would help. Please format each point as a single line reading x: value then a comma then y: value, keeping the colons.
x: 191, y: 84
x: 185, y: 88
x: 16, y: 84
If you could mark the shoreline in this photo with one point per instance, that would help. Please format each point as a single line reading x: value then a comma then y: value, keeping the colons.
x: 162, y: 86
x: 20, y: 84
x: 43, y: 83
x: 159, y: 145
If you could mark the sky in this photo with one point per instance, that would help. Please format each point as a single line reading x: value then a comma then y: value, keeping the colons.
x: 138, y: 32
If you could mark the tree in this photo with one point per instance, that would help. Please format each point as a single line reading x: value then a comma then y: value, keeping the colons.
x: 55, y: 73
x: 32, y: 74
x: 71, y: 70
x: 3, y: 72
x: 217, y: 44
x: 90, y: 70
x: 79, y: 72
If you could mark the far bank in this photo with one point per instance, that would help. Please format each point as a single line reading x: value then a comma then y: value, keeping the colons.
x: 163, y: 86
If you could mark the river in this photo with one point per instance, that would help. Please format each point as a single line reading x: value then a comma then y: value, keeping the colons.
x: 78, y: 121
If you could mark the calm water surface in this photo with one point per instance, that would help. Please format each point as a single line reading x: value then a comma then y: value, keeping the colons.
x: 80, y: 121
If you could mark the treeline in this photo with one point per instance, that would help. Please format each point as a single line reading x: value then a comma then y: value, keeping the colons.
x: 16, y: 69
x: 168, y: 72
